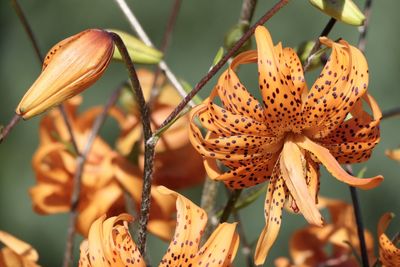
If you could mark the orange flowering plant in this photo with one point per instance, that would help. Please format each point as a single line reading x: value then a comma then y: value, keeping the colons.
x: 284, y: 139
x: 121, y: 185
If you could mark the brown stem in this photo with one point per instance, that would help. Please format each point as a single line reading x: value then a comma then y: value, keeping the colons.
x: 7, y: 129
x: 149, y: 148
x: 69, y: 128
x: 222, y: 62
x: 327, y: 29
x: 230, y: 205
x: 27, y: 28
x: 80, y: 163
x: 207, y: 203
x: 362, y: 41
x: 164, y: 45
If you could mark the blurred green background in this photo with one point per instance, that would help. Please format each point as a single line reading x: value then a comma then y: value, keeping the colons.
x: 198, y: 35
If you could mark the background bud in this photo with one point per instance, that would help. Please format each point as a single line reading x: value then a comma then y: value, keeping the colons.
x: 344, y: 10
x: 138, y: 51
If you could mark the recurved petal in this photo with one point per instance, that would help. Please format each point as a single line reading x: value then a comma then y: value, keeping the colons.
x: 281, y: 97
x: 389, y: 254
x: 26, y: 254
x: 342, y: 82
x: 191, y: 221
x: 233, y: 94
x: 355, y: 138
x: 184, y: 250
x: 274, y: 202
x: 110, y: 244
x: 294, y: 172
x: 324, y: 156
x: 220, y: 248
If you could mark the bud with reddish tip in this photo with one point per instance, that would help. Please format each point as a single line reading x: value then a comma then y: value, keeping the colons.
x: 70, y: 67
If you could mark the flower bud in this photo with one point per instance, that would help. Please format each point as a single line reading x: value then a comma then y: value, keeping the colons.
x: 70, y: 67
x: 138, y: 51
x: 343, y: 10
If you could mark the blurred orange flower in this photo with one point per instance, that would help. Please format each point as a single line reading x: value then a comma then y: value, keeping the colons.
x: 177, y: 164
x: 296, y: 129
x: 308, y: 246
x: 389, y: 253
x: 110, y: 244
x: 70, y: 67
x: 393, y: 154
x: 16, y: 253
x: 106, y: 176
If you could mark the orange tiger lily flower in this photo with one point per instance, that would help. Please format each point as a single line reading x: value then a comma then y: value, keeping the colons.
x: 70, y: 67
x: 177, y: 164
x: 307, y: 246
x: 16, y: 253
x: 284, y: 139
x: 110, y: 244
x: 389, y: 253
x: 105, y: 179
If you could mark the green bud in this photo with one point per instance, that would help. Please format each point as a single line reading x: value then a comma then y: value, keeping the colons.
x: 139, y: 52
x: 343, y: 10
x: 234, y: 35
x: 304, y: 50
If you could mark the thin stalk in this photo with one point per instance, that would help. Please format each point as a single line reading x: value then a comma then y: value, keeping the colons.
x: 27, y: 28
x: 353, y: 191
x: 269, y: 14
x: 7, y: 129
x: 325, y: 32
x: 246, y: 249
x: 143, y: 36
x: 362, y: 41
x: 207, y: 203
x: 163, y: 48
x: 359, y: 221
x: 391, y: 113
x: 230, y: 205
x: 69, y: 129
x: 149, y: 148
x: 80, y: 163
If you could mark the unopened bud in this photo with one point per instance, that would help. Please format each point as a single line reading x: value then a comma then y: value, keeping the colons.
x: 70, y: 67
x: 304, y: 50
x: 343, y: 10
x: 138, y: 51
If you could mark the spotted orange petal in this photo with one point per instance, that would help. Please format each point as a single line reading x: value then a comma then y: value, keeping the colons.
x: 293, y: 169
x: 184, y: 250
x: 234, y: 95
x: 343, y: 81
x: 326, y: 158
x: 354, y: 139
x: 274, y: 202
x: 281, y: 97
x: 110, y: 244
x: 389, y: 254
